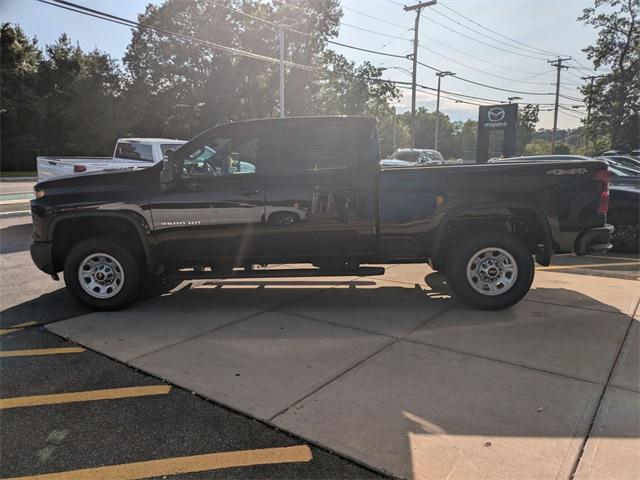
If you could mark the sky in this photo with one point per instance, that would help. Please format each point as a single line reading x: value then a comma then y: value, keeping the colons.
x: 478, y: 51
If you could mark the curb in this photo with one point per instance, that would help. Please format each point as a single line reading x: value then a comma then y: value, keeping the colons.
x: 18, y: 179
x: 20, y: 213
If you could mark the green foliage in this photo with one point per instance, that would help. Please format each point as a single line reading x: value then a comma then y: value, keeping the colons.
x: 20, y: 107
x: 615, y: 97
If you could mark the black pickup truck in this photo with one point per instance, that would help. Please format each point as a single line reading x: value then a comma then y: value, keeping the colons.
x: 311, y: 190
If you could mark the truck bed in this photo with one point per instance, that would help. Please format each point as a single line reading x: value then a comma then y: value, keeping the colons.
x: 414, y: 201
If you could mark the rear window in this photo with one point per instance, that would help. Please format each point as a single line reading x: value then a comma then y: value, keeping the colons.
x: 407, y: 156
x: 134, y: 151
x: 165, y: 147
x: 315, y: 148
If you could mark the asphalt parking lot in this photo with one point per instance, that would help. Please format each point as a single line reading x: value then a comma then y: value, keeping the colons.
x: 323, y: 377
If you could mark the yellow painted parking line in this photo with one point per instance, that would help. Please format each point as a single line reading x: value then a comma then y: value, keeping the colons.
x: 591, y: 265
x: 178, y: 465
x: 87, y: 396
x: 15, y: 328
x: 608, y: 257
x: 25, y: 324
x: 40, y: 351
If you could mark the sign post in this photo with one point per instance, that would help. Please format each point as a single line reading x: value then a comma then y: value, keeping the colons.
x: 497, y: 117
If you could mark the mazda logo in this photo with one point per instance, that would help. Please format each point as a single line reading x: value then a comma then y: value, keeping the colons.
x: 496, y: 114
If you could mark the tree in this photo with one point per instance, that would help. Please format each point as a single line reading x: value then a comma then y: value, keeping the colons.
x: 527, y: 121
x: 80, y: 93
x: 193, y: 85
x: 20, y: 110
x: 615, y: 97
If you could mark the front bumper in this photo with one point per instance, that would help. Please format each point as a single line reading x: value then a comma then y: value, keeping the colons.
x: 594, y: 240
x: 42, y: 256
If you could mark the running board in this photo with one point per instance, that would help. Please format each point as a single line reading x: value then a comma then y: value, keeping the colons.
x: 284, y: 272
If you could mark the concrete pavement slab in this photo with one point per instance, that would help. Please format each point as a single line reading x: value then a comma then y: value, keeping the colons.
x: 425, y: 413
x: 611, y: 294
x: 389, y: 309
x: 148, y: 326
x: 270, y: 293
x: 627, y: 372
x: 570, y: 341
x: 612, y: 451
x: 264, y: 364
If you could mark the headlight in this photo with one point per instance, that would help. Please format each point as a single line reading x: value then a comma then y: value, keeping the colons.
x: 39, y: 193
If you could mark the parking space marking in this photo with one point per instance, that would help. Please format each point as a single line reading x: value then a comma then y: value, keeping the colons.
x: 17, y: 327
x: 40, y: 351
x: 87, y: 396
x: 590, y: 265
x: 178, y: 465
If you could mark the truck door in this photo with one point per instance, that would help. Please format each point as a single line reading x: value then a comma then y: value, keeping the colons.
x: 320, y: 195
x: 216, y: 207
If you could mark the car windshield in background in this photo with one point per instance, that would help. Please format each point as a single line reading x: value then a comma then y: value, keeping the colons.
x: 407, y: 156
x: 134, y: 151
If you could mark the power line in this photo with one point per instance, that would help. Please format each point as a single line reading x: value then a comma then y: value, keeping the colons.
x: 541, y: 51
x: 481, y: 41
x: 131, y: 24
x: 488, y: 36
x: 440, y: 43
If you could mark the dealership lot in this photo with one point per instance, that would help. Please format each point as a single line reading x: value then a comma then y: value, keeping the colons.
x: 388, y: 371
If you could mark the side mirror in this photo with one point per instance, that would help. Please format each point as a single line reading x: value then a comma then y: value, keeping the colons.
x: 170, y: 169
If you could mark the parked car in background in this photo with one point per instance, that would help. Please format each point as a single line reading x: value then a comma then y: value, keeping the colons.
x: 612, y: 152
x: 316, y: 195
x: 635, y: 153
x: 626, y: 161
x: 128, y: 153
x: 624, y: 213
x: 419, y: 156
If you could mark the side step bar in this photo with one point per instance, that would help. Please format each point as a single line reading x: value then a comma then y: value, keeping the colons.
x: 285, y: 272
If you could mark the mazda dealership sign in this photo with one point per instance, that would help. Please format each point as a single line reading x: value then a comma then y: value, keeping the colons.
x: 497, y: 117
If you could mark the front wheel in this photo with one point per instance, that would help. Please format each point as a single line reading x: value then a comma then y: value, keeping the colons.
x: 101, y: 274
x: 491, y: 270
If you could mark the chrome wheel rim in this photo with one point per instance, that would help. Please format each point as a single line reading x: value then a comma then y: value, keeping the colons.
x: 101, y: 275
x: 492, y: 271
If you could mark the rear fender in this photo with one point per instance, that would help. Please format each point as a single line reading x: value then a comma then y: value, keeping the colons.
x: 515, y: 209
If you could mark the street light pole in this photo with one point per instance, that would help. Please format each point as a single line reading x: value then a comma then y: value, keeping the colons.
x: 439, y: 75
x: 418, y: 8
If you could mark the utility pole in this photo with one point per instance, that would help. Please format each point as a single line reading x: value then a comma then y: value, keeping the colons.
x: 558, y: 64
x: 395, y: 130
x: 592, y: 78
x: 418, y: 8
x: 281, y: 40
x: 439, y: 75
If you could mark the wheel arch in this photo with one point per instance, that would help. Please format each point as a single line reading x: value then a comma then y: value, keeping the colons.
x: 497, y: 216
x: 67, y: 230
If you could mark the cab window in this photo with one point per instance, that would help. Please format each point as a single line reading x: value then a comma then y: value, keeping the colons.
x: 316, y: 148
x: 222, y: 154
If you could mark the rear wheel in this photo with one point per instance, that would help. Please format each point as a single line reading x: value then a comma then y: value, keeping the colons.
x: 490, y: 271
x: 101, y: 274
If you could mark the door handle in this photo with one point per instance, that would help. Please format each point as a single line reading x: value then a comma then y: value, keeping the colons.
x: 246, y: 193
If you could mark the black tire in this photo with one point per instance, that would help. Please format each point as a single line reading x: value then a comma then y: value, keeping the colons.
x: 131, y: 268
x: 463, y: 252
